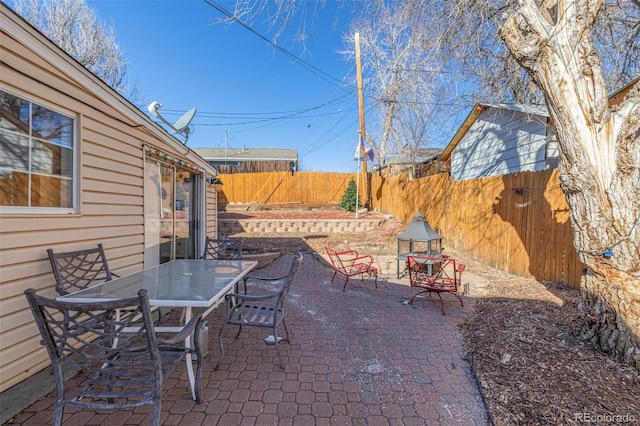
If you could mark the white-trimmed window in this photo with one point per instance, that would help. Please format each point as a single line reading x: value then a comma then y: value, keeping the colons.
x: 36, y: 157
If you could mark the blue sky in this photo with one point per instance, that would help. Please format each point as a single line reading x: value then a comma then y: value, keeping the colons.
x: 242, y: 86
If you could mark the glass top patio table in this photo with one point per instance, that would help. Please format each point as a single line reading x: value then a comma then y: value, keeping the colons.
x: 179, y: 283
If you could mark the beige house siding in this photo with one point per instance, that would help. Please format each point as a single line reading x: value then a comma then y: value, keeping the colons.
x: 212, y: 205
x: 111, y: 135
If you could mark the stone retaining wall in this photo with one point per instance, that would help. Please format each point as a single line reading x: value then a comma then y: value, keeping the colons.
x: 307, y: 226
x: 385, y: 264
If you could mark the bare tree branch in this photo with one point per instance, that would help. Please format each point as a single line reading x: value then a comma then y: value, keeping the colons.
x: 75, y: 28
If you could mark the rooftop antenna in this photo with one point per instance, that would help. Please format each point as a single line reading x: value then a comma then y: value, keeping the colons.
x: 181, y: 127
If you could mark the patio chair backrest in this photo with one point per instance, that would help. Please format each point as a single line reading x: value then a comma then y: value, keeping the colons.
x: 223, y: 248
x: 434, y: 271
x: 262, y: 305
x: 277, y: 287
x: 291, y: 273
x: 82, y: 335
x: 334, y: 258
x: 76, y: 270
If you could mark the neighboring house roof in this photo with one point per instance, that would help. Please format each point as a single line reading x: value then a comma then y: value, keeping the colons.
x: 475, y: 112
x: 247, y: 154
x: 527, y: 109
x: 541, y: 110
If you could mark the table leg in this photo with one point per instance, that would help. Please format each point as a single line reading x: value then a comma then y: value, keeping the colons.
x: 187, y: 343
x: 114, y: 344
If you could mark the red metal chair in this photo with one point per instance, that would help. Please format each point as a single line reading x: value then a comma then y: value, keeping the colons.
x: 349, y: 263
x: 437, y: 275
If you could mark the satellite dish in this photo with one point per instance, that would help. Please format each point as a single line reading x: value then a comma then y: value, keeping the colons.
x: 181, y: 126
x: 183, y: 122
x: 153, y: 108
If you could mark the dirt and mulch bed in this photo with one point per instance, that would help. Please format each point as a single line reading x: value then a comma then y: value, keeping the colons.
x: 522, y: 338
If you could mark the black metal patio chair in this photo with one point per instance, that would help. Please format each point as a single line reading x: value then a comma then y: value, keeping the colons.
x: 223, y: 248
x: 261, y: 305
x: 77, y: 270
x: 125, y: 376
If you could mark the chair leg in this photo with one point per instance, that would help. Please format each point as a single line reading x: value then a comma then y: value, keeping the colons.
x: 418, y: 293
x: 198, y: 385
x: 334, y: 275
x: 441, y: 302
x: 221, y: 346
x: 157, y: 410
x: 286, y: 330
x: 275, y: 342
x: 344, y: 287
x: 57, y: 415
x: 59, y: 405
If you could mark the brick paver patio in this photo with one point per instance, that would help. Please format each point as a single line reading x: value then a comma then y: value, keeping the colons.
x: 360, y: 357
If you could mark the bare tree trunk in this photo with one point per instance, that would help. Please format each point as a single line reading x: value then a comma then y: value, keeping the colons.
x: 387, y: 125
x: 600, y: 163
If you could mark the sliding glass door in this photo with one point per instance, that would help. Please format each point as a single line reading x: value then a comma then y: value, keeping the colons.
x: 171, y: 215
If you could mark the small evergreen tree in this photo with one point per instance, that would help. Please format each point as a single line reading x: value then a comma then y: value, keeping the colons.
x: 350, y: 199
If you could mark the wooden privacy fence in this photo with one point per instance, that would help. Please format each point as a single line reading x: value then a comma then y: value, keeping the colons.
x: 284, y: 187
x: 517, y: 222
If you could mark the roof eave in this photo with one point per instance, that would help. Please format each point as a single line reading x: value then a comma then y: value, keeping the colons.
x: 464, y: 128
x: 42, y: 45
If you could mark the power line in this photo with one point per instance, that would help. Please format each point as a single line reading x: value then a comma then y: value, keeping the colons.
x: 260, y: 117
x: 329, y: 137
x: 273, y: 119
x: 323, y: 75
